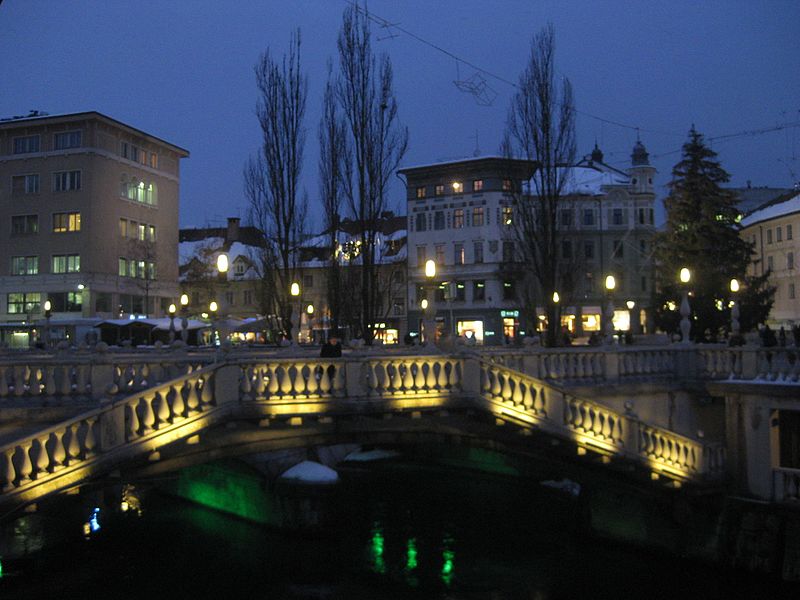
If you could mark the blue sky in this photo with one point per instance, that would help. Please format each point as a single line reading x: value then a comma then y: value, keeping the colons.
x: 183, y: 70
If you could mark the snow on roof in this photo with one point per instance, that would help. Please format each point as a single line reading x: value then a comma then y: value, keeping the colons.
x: 311, y: 472
x: 189, y: 250
x: 455, y: 161
x: 587, y: 181
x: 773, y: 211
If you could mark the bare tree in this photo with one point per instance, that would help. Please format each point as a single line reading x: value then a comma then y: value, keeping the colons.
x: 541, y: 128
x: 376, y: 141
x: 272, y: 177
x: 335, y: 168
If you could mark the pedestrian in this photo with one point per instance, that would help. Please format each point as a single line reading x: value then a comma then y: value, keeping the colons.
x: 332, y: 348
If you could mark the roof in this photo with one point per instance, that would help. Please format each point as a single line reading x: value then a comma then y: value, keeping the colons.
x: 753, y: 198
x: 773, y: 211
x: 8, y: 123
x: 467, y: 161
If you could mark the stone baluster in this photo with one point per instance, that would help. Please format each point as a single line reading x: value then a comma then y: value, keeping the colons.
x: 175, y: 399
x: 64, y: 380
x: 90, y: 439
x: 206, y: 390
x: 8, y: 473
x: 192, y: 399
x: 42, y: 460
x: 25, y: 469
x: 73, y: 447
x: 161, y: 410
x: 59, y: 450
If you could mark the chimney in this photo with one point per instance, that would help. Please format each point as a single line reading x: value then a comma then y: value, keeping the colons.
x: 232, y: 234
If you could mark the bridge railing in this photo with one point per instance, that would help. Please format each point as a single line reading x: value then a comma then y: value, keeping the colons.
x: 785, y: 484
x: 594, y: 426
x: 59, y: 456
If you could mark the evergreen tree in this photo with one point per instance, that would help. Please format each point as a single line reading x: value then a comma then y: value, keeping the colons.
x: 702, y: 234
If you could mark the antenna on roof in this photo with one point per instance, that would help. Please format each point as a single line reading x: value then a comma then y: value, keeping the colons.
x: 477, y: 152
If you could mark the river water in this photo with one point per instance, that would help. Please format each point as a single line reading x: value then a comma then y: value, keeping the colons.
x: 399, y: 531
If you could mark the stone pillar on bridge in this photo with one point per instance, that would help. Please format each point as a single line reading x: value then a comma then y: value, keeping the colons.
x: 355, y: 380
x: 112, y: 427
x: 226, y: 384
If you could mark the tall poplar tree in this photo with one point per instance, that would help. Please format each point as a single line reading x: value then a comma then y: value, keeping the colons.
x: 702, y: 234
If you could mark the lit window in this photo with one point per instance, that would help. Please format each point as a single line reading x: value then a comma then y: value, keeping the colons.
x: 123, y: 228
x: 421, y: 255
x: 24, y: 265
x: 122, y: 267
x: 152, y: 229
x: 439, y: 189
x: 68, y: 139
x: 458, y: 187
x: 22, y: 303
x: 66, y: 222
x: 477, y: 185
x: 458, y: 253
x: 477, y: 216
x: 421, y: 191
x: 507, y: 185
x: 439, y: 254
x: 141, y: 232
x: 508, y: 214
x: 66, y: 263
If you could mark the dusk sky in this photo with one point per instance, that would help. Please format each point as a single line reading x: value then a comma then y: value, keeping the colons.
x: 183, y: 71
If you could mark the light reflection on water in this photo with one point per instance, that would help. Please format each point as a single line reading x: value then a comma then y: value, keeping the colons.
x: 393, y: 534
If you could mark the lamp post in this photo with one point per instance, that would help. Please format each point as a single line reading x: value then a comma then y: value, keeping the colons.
x: 736, y: 336
x: 429, y: 308
x: 212, y: 309
x: 47, y: 313
x: 171, y: 311
x: 685, y: 276
x: 608, y: 325
x: 294, y: 290
x: 184, y: 322
x: 222, y: 276
x: 309, y: 319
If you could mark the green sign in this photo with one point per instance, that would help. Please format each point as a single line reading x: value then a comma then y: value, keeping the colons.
x: 509, y: 313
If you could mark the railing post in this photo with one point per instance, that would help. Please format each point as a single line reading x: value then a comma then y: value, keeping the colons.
x: 630, y: 437
x: 102, y: 376
x: 749, y: 367
x: 471, y: 377
x: 226, y: 384
x: 355, y: 382
x: 611, y: 358
x: 530, y: 365
x: 112, y: 427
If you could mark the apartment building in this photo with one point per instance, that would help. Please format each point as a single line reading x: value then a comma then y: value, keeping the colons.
x: 773, y: 231
x: 89, y: 207
x: 461, y: 213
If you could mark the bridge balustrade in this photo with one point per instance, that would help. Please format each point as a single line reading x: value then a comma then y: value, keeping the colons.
x: 786, y: 484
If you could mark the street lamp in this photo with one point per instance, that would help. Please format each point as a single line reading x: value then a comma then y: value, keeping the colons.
x: 47, y: 312
x: 685, y: 276
x: 608, y: 326
x: 212, y: 308
x: 429, y: 304
x: 294, y: 290
x: 309, y: 319
x: 736, y: 337
x: 171, y: 311
x: 184, y: 322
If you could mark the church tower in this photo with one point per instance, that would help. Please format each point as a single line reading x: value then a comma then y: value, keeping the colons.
x: 641, y: 172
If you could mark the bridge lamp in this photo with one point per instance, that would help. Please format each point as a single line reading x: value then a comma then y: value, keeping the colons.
x: 171, y: 310
x: 310, y: 309
x: 184, y: 300
x: 294, y: 290
x: 736, y: 336
x: 430, y: 268
x: 213, y: 307
x: 611, y: 283
x: 685, y: 275
x: 222, y: 263
x: 556, y: 298
x: 424, y: 304
x: 630, y: 304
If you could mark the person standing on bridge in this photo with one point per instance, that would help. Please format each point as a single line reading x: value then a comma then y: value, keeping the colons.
x: 332, y: 348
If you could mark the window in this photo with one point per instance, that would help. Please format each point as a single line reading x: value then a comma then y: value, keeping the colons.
x: 21, y: 224
x: 478, y: 251
x: 791, y: 291
x: 420, y: 191
x: 123, y: 228
x: 643, y: 283
x: 458, y: 218
x: 508, y: 290
x: 566, y: 249
x: 66, y: 301
x: 247, y: 296
x: 508, y: 251
x: 788, y: 232
x: 64, y: 222
x: 566, y: 218
x: 308, y: 281
x: 439, y: 254
x: 102, y: 302
x: 122, y: 267
x: 478, y: 290
x: 439, y: 189
x: 507, y: 185
x: 588, y: 250
x: 68, y: 139
x: 230, y: 299
x: 153, y: 160
x: 508, y: 215
x: 588, y: 217
x: 152, y: 230
x: 650, y: 212
x: 25, y: 184
x: 617, y: 216
x: 477, y: 185
x: 790, y: 260
x: 65, y: 181
x: 779, y: 234
x: 441, y: 291
x: 123, y: 149
x: 438, y: 220
x: 769, y: 263
x: 421, y: 222
x: 461, y: 292
x: 769, y: 236
x: 22, y: 303
x: 422, y: 293
x: 477, y: 216
x: 239, y: 268
x: 641, y: 216
x: 66, y: 263
x: 421, y: 256
x: 642, y: 246
x: 618, y: 251
x: 141, y: 232
x: 458, y: 253
x: 27, y: 144
x: 133, y: 228
x: 458, y: 187
x: 24, y: 265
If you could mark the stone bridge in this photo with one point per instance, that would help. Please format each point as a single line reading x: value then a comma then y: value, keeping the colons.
x: 73, y: 417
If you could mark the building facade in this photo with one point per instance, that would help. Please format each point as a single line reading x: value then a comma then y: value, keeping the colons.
x: 461, y: 215
x: 773, y: 231
x: 89, y: 206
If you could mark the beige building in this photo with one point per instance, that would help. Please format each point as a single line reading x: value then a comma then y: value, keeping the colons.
x: 89, y: 210
x: 773, y: 230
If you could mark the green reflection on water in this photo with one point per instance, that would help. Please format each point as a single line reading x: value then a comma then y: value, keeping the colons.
x: 411, y: 554
x: 377, y: 548
x: 448, y: 558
